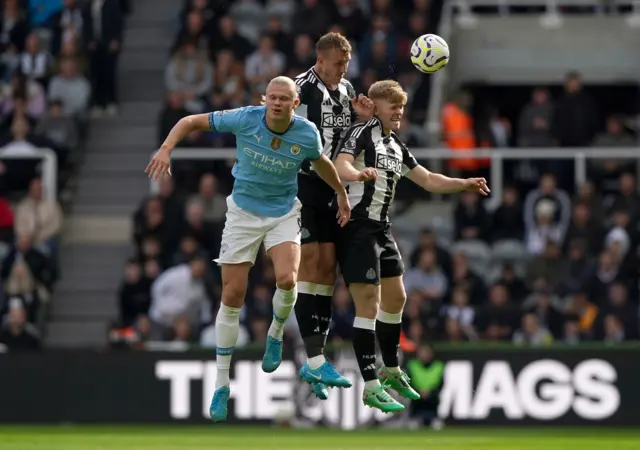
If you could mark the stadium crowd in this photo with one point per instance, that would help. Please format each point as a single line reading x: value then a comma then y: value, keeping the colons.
x: 548, y: 265
x: 54, y: 55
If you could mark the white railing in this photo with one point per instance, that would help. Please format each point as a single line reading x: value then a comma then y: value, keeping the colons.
x: 461, y: 10
x: 49, y: 167
x: 437, y: 156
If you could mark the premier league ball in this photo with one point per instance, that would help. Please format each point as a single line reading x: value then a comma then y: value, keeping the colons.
x: 429, y: 53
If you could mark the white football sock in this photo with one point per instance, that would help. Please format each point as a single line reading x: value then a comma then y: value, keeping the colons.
x: 316, y: 361
x: 371, y: 385
x: 226, y: 328
x: 283, y: 303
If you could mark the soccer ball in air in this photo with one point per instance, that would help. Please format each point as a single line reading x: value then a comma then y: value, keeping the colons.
x: 429, y: 53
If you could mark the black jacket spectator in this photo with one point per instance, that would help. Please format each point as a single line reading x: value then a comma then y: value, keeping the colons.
x: 134, y: 294
x: 507, y: 222
x: 575, y: 117
x: 471, y: 219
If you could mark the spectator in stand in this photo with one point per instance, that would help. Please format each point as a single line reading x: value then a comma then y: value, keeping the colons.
x: 67, y: 25
x: 26, y: 272
x: 103, y: 29
x: 61, y: 131
x: 460, y: 311
x: 532, y: 333
x: 588, y: 195
x: 6, y: 216
x: 35, y: 63
x: 22, y: 96
x: 205, y: 8
x: 545, y: 306
x: 303, y: 54
x: 264, y: 64
x: 584, y: 229
x: 620, y: 306
x: 71, y: 50
x: 311, y: 17
x: 507, y: 222
x: 228, y: 38
x: 134, y: 295
x: 172, y: 112
x: 471, y: 219
x: 72, y: 89
x: 215, y: 204
x: 428, y: 241
x: 534, y: 124
x: 497, y: 319
x: 193, y: 30
x: 190, y: 74
x: 41, y: 218
x: 605, y: 274
x: 579, y: 268
x: 575, y: 116
x: 229, y: 78
x: 463, y: 276
x: 249, y: 14
x: 282, y: 41
x: 427, y: 279
x: 627, y: 198
x: 515, y: 285
x: 614, y: 331
x: 607, y: 171
x: 41, y: 11
x: 179, y: 292
x: 16, y: 333
x: 13, y: 28
x: 571, y: 334
x: 548, y: 266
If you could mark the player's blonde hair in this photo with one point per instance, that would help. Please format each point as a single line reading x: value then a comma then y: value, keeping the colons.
x: 389, y: 90
x: 281, y: 81
x: 331, y: 41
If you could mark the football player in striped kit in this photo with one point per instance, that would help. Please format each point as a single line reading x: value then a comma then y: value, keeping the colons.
x: 330, y: 102
x: 368, y: 255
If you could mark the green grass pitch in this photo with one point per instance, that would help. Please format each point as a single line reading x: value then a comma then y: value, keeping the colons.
x: 249, y: 438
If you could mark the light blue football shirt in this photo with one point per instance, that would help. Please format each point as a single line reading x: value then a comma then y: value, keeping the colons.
x: 266, y: 169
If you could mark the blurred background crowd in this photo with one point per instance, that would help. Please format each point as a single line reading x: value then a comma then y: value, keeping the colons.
x: 57, y: 69
x: 551, y: 263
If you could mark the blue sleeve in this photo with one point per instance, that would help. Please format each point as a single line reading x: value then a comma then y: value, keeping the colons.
x: 227, y: 121
x: 315, y: 150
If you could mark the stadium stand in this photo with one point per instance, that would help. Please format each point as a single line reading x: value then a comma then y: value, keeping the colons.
x: 548, y: 262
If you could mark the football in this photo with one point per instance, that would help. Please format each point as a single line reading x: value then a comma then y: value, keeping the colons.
x: 429, y: 53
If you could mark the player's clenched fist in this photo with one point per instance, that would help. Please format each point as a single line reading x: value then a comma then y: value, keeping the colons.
x: 477, y: 185
x: 368, y: 174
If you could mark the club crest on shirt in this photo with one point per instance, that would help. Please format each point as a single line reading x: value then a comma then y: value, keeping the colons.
x: 295, y: 149
x: 275, y: 143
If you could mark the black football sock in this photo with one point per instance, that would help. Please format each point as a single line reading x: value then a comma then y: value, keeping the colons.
x: 307, y: 318
x: 324, y: 310
x: 364, y: 346
x: 388, y: 329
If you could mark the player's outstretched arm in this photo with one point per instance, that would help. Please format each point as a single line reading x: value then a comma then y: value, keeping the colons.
x: 441, y: 184
x: 327, y: 171
x: 344, y: 166
x: 160, y: 163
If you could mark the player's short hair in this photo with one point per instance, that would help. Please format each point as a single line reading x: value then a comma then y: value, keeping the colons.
x: 333, y: 41
x: 281, y: 81
x: 389, y: 90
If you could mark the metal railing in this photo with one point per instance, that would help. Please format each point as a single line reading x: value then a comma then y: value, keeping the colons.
x: 437, y: 156
x: 49, y: 167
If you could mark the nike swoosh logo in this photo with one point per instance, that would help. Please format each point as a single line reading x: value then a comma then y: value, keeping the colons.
x: 317, y: 377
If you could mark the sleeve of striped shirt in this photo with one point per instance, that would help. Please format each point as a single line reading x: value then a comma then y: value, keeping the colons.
x: 354, y: 141
x: 408, y: 161
x: 302, y: 84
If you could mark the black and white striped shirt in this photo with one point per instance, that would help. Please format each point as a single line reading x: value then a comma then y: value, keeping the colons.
x: 330, y: 111
x: 369, y: 146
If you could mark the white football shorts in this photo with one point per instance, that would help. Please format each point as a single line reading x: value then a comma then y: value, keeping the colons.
x: 244, y: 232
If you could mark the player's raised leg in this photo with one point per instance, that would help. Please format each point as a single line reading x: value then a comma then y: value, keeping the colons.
x: 234, y: 289
x: 388, y: 329
x: 241, y: 238
x: 367, y: 299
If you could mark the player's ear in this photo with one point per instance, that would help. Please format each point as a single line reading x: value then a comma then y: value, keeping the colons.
x: 296, y: 103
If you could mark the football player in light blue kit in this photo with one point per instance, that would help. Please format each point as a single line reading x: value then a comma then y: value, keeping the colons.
x: 272, y: 143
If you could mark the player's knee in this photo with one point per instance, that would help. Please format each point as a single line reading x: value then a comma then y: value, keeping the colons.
x: 327, y: 272
x: 367, y: 300
x: 286, y: 281
x: 394, y: 304
x: 233, y: 294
